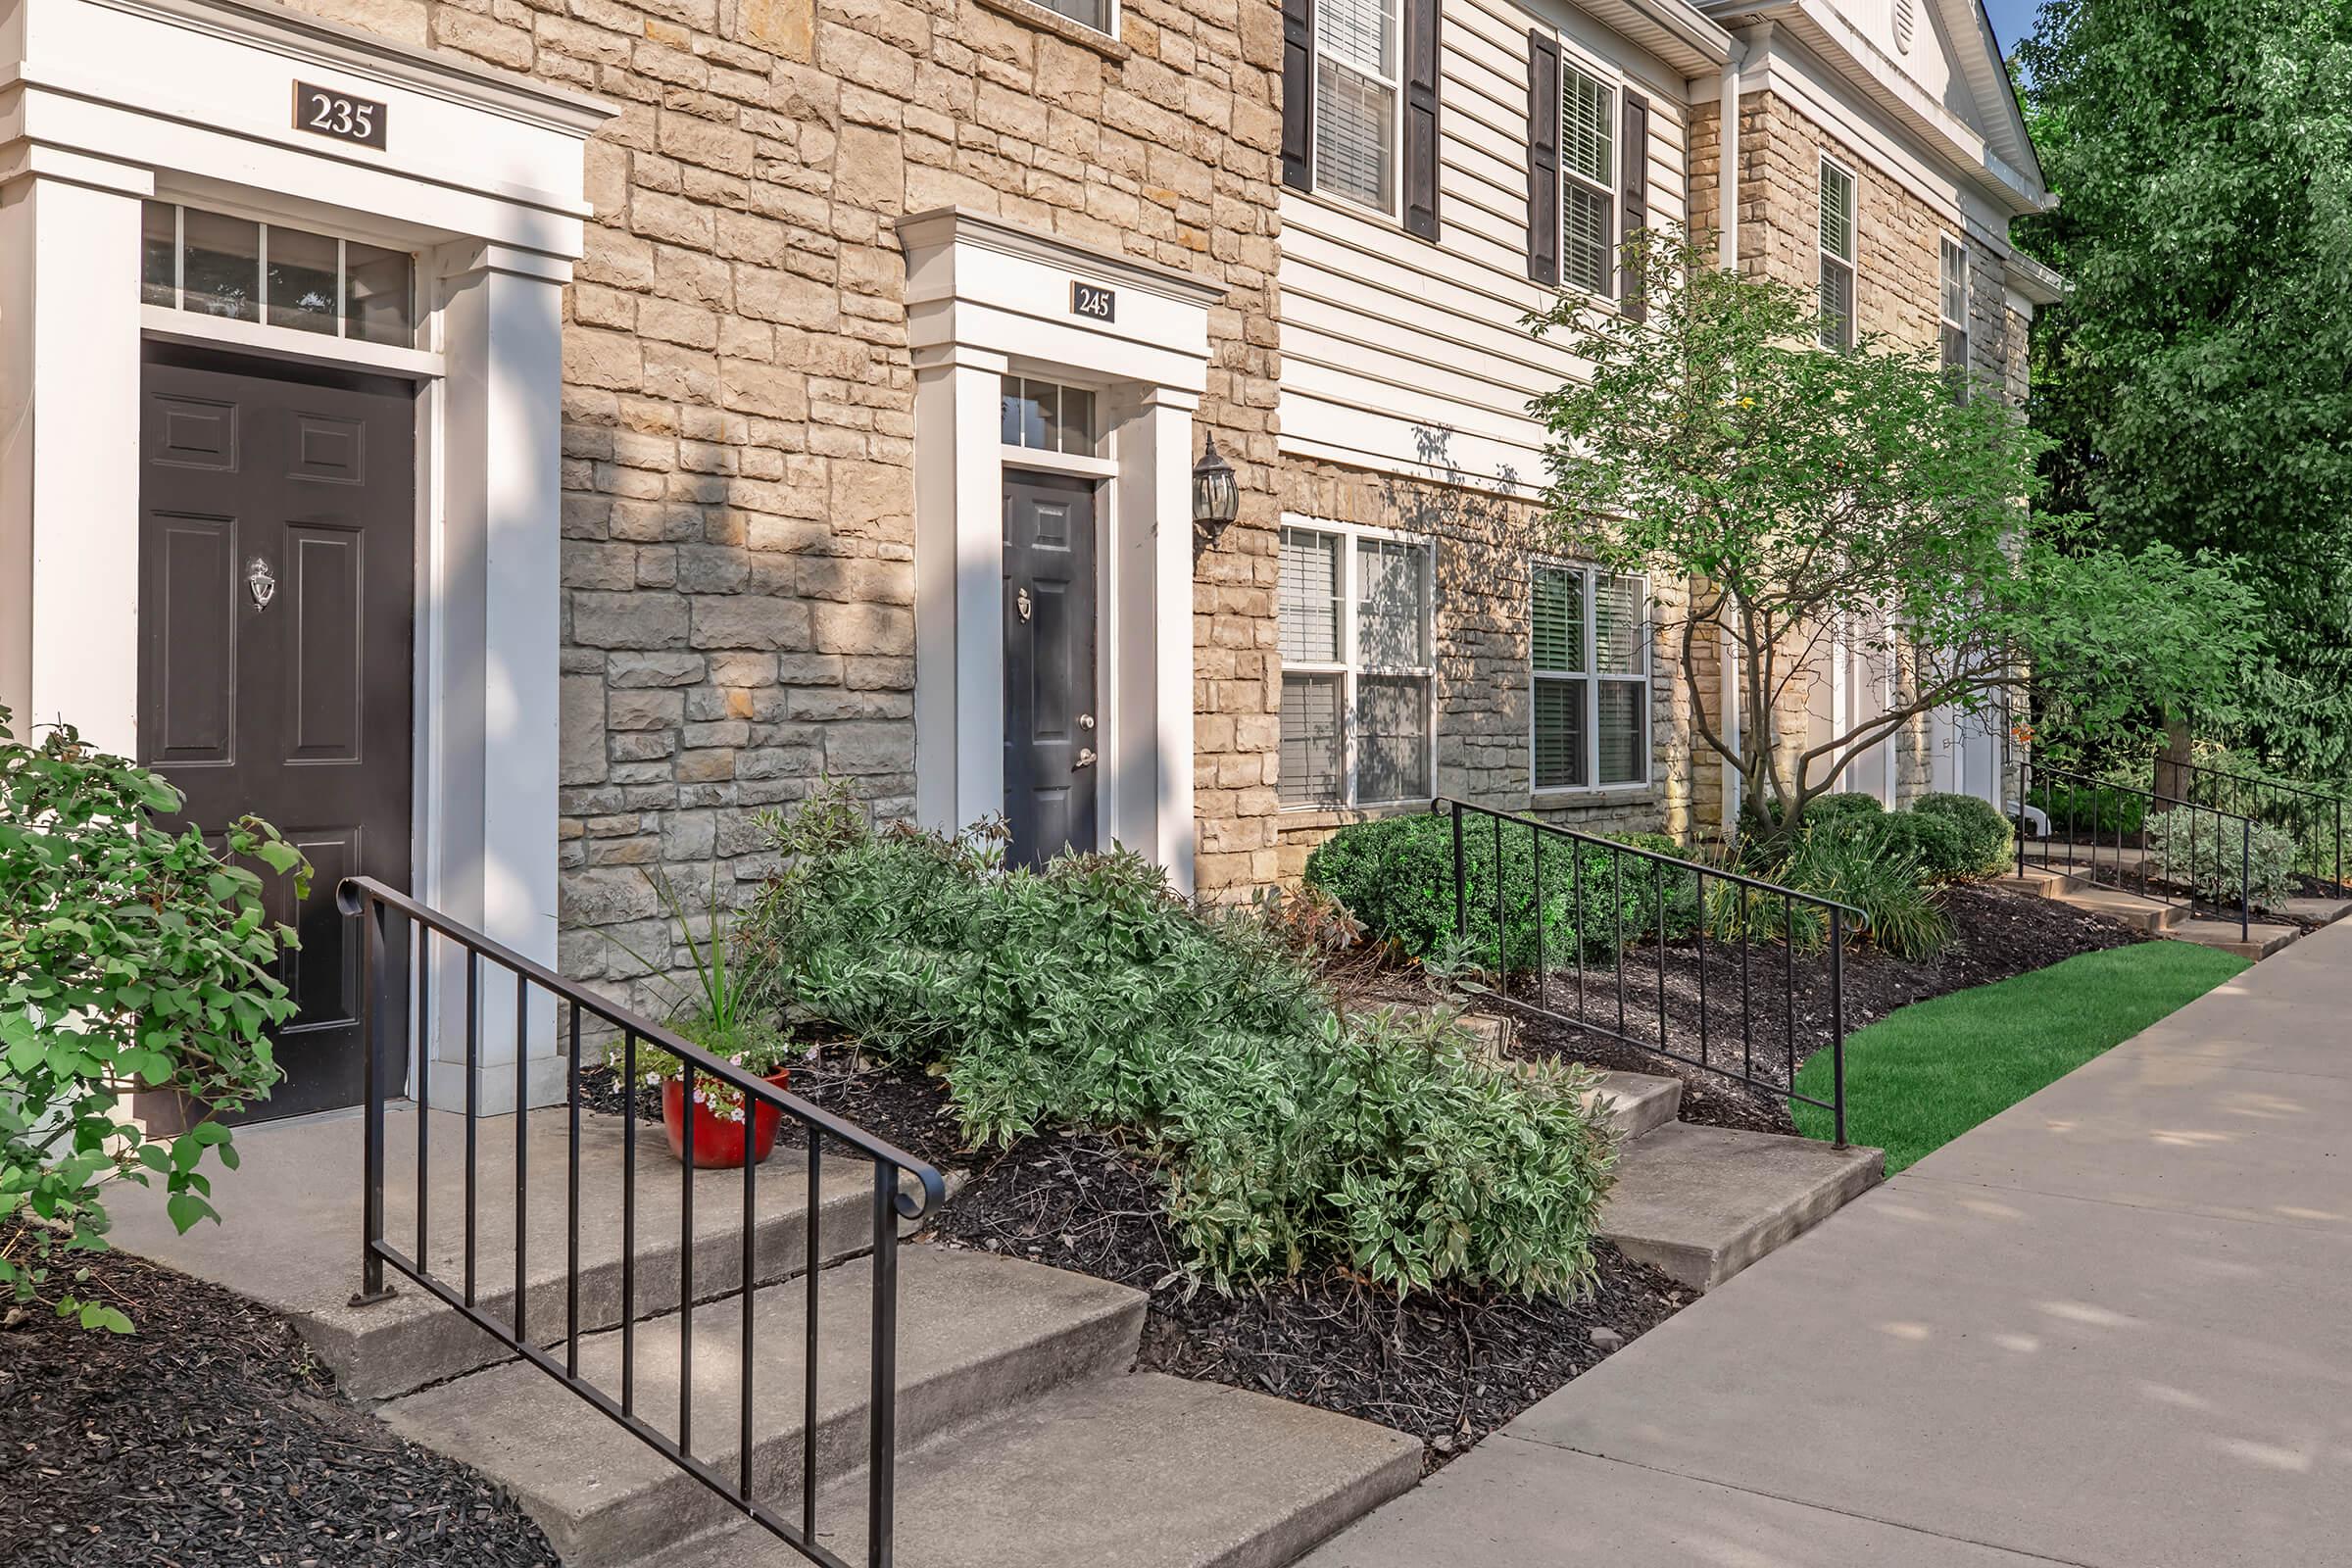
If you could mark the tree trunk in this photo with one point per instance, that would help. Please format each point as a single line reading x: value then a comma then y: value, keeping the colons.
x: 2172, y: 778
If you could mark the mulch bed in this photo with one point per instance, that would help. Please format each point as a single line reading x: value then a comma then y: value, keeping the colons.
x: 1995, y: 933
x: 1448, y: 1369
x: 210, y: 1436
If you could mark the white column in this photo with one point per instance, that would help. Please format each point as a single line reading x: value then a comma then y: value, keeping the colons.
x: 1168, y: 417
x: 70, y: 444
x: 959, y: 586
x: 493, y: 646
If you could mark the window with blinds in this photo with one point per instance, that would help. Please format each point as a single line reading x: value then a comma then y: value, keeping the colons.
x: 1588, y: 179
x: 1355, y: 100
x: 1836, y: 318
x: 1589, y: 678
x: 1954, y: 311
x: 1354, y: 625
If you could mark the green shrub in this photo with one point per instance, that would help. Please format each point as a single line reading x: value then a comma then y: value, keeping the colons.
x: 1930, y: 842
x: 127, y: 955
x: 1396, y: 875
x: 1856, y: 862
x: 2219, y: 858
x: 1087, y: 993
x: 1987, y: 841
x: 2085, y: 809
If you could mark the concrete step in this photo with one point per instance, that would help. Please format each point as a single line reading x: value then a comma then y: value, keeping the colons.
x: 2045, y: 882
x: 976, y: 1333
x: 2256, y: 943
x: 1639, y: 1101
x: 1145, y: 1471
x: 2326, y: 912
x: 291, y: 1236
x: 2150, y: 916
x: 1701, y: 1204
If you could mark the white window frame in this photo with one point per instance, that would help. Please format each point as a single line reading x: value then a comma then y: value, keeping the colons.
x: 1952, y: 245
x: 1591, y: 678
x: 1825, y: 257
x: 1613, y: 206
x: 1392, y: 212
x: 1350, y: 667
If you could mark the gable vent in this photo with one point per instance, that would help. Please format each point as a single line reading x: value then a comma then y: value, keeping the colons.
x: 1905, y: 22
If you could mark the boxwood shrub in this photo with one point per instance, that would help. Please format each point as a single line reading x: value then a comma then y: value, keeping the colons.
x: 1987, y: 840
x: 1087, y: 993
x: 1396, y: 875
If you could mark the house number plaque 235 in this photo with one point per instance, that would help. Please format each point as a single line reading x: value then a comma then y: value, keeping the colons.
x: 339, y: 116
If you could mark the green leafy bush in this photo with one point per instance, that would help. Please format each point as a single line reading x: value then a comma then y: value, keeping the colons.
x: 130, y: 956
x: 1858, y: 862
x: 1396, y: 875
x: 1987, y: 841
x: 1087, y: 993
x: 2085, y: 809
x: 2219, y: 858
x: 1930, y: 842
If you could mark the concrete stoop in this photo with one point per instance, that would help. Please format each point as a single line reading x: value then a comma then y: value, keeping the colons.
x: 1701, y: 1204
x: 981, y: 1341
x: 2160, y: 920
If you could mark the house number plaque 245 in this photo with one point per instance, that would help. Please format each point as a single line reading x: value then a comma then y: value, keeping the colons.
x: 339, y: 116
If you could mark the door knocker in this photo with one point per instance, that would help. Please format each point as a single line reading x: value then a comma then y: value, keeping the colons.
x: 1020, y: 602
x: 261, y: 582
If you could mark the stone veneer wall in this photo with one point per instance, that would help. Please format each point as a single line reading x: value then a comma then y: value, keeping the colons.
x: 1481, y: 623
x: 738, y: 405
x: 1898, y: 284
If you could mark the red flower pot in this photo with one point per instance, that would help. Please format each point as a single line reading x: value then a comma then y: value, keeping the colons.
x: 718, y: 1141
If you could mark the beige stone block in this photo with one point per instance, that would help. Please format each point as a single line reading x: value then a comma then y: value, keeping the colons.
x: 494, y: 41
x: 784, y: 27
x: 750, y: 622
x: 862, y: 629
x: 771, y: 294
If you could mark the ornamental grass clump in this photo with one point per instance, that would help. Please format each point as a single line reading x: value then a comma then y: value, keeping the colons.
x: 1087, y: 993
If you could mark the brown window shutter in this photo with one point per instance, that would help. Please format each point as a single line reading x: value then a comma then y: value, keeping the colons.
x: 1421, y: 118
x: 1633, y: 199
x: 1298, y: 93
x: 1543, y: 157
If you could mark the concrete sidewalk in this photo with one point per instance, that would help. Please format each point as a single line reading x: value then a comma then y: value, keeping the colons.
x: 2112, y: 1326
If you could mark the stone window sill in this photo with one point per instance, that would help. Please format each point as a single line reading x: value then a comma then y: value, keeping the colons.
x: 1591, y: 800
x: 1313, y: 819
x: 1064, y: 28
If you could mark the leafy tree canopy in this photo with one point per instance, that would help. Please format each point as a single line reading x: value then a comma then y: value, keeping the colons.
x: 1816, y: 500
x: 2198, y: 381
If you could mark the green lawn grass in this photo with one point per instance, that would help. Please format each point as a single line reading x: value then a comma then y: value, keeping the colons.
x: 1922, y: 1076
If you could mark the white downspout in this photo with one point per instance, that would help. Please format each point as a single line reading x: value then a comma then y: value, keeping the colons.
x: 1727, y: 240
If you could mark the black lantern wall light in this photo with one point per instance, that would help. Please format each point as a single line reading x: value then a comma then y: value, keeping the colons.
x: 1216, y: 495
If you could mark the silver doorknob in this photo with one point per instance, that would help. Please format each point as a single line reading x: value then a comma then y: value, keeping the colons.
x: 1086, y: 759
x: 1086, y: 721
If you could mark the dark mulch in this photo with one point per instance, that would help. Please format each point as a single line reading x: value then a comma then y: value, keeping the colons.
x: 1995, y: 933
x: 1448, y: 1369
x: 210, y: 1436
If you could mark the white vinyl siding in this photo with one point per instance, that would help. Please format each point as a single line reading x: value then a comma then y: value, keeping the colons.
x: 1836, y: 256
x: 1356, y: 49
x: 1405, y: 355
x: 1588, y: 179
x: 1588, y: 679
x: 1355, y: 640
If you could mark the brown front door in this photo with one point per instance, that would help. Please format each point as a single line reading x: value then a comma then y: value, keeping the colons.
x: 277, y: 579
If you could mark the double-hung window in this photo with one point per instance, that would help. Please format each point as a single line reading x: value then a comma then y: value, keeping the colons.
x: 1590, y: 678
x: 1587, y: 181
x: 1356, y: 670
x: 1954, y: 311
x: 1836, y: 256
x: 1356, y: 49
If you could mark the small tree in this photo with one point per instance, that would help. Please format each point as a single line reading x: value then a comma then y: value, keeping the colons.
x: 128, y: 956
x: 1817, y: 499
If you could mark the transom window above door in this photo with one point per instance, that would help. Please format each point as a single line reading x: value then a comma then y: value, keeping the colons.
x: 1046, y: 416
x: 214, y: 263
x: 1590, y: 678
x: 1357, y: 672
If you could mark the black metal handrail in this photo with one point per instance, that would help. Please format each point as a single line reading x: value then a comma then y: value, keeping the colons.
x: 2132, y: 866
x: 2313, y: 817
x: 1612, y: 1017
x: 893, y: 1203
